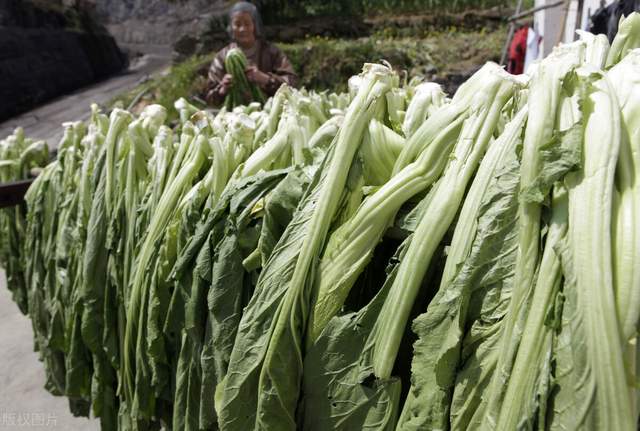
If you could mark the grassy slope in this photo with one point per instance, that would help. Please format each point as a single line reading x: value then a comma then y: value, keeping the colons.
x: 327, y: 63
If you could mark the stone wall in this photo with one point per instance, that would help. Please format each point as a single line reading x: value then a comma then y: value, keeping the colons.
x: 42, y: 55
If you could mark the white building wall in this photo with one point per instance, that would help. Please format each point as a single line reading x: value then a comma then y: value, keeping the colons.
x: 548, y: 22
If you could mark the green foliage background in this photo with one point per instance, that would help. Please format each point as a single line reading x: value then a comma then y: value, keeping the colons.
x: 277, y: 10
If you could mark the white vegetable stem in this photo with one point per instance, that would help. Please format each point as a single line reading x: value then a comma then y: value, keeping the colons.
x: 590, y: 202
x: 544, y: 100
x: 625, y: 79
x: 471, y: 145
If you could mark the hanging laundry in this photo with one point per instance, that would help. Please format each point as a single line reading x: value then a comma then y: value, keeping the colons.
x: 517, y: 51
x: 532, y: 52
x: 605, y: 20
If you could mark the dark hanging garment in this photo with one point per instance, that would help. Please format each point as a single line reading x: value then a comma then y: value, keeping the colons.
x: 600, y: 21
x: 605, y: 20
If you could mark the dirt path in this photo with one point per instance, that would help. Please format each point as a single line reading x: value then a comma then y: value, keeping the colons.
x: 24, y: 403
x: 45, y: 121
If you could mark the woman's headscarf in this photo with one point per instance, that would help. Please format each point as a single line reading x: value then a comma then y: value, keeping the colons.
x: 244, y: 6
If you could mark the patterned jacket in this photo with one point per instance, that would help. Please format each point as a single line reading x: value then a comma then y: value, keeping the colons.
x: 267, y: 57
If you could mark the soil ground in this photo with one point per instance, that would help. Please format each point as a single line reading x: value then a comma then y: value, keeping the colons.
x: 24, y: 403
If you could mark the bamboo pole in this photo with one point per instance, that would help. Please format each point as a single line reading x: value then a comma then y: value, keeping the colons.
x: 533, y: 10
x: 578, y: 18
x: 512, y: 27
x: 565, y: 14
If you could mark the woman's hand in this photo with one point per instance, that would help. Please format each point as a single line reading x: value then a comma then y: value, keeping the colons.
x: 225, y: 84
x: 255, y: 75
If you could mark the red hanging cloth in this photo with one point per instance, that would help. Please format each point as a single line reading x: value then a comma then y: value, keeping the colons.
x: 517, y: 51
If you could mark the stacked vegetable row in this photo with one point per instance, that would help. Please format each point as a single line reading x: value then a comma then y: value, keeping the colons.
x: 259, y: 269
x: 18, y: 157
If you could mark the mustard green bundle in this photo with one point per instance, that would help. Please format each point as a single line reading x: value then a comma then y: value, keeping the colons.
x: 241, y: 88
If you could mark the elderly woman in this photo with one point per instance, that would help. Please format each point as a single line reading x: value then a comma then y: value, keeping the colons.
x: 268, y: 67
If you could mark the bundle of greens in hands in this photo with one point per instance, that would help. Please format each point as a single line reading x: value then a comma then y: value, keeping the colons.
x: 261, y: 268
x: 241, y: 89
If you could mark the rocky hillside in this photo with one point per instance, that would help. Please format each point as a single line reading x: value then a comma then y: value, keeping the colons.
x: 115, y: 11
x: 197, y: 26
x: 157, y: 22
